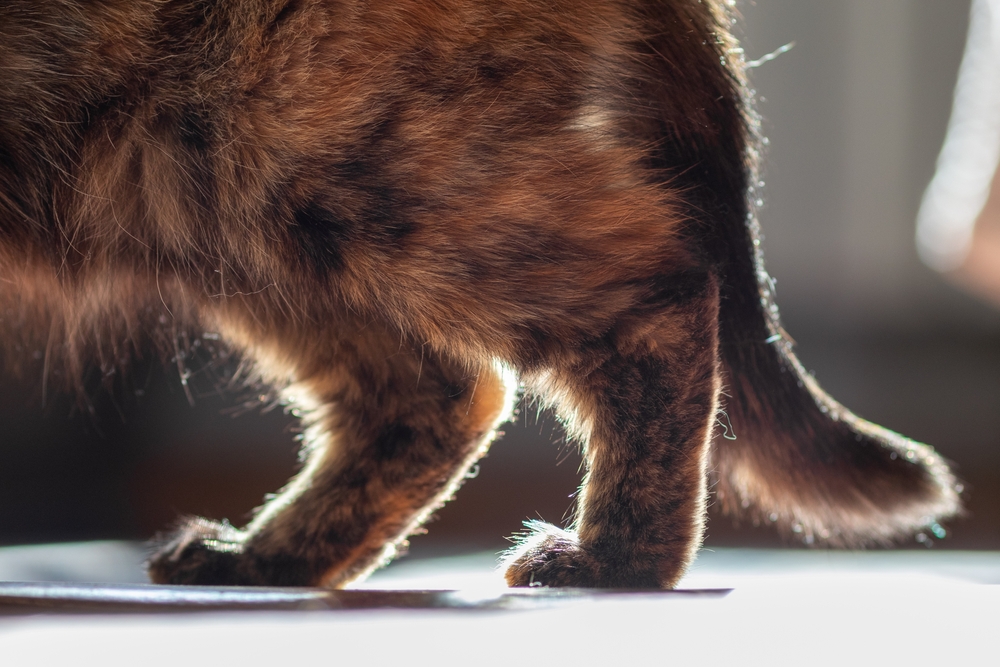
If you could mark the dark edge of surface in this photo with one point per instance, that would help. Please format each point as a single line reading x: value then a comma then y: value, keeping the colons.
x: 60, y: 598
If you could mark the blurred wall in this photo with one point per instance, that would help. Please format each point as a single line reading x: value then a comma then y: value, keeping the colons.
x: 855, y: 114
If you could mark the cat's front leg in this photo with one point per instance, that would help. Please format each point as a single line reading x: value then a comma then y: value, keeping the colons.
x: 643, y: 399
x: 390, y: 435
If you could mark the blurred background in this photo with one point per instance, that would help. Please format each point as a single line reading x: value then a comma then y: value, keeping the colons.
x: 855, y: 114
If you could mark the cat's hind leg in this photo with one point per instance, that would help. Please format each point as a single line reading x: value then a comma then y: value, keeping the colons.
x: 393, y: 432
x: 643, y: 399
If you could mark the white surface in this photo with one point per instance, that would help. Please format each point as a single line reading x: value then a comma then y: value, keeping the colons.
x: 863, y: 622
x: 787, y: 607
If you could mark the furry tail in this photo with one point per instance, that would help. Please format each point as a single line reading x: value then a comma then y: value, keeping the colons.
x: 799, y: 458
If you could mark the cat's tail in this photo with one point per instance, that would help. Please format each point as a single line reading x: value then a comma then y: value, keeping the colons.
x: 791, y: 455
x: 788, y: 453
x: 797, y: 458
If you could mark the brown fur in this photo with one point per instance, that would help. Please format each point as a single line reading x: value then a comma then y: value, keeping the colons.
x: 394, y: 207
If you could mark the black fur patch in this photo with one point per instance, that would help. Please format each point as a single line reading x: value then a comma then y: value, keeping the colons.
x: 290, y: 8
x: 321, y: 236
x: 194, y: 130
x: 676, y: 289
x: 496, y: 68
x: 393, y: 440
x: 381, y: 210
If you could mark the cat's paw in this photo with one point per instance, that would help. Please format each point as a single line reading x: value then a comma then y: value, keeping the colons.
x: 200, y: 552
x: 549, y: 556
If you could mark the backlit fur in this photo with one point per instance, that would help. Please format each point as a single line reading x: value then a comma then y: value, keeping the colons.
x: 394, y: 208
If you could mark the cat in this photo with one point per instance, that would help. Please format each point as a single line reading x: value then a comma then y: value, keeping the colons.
x: 399, y: 210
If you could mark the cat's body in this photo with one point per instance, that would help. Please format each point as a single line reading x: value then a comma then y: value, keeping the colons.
x: 391, y: 208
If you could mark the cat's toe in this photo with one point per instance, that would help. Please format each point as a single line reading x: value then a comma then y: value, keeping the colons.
x: 200, y: 552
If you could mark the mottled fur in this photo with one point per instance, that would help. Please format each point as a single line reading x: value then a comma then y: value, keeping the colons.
x: 394, y: 207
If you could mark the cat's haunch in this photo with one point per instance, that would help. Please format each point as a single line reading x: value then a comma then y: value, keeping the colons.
x: 395, y: 210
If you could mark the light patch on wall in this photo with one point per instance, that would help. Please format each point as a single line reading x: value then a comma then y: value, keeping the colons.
x: 968, y: 160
